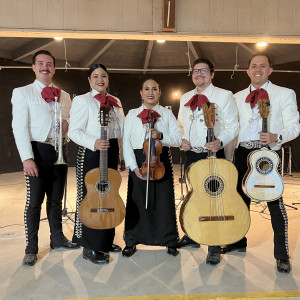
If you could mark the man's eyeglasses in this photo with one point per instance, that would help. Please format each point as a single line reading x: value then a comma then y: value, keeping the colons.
x: 202, y: 71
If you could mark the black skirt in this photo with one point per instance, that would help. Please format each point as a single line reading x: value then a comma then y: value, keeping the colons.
x: 157, y: 224
x: 94, y: 239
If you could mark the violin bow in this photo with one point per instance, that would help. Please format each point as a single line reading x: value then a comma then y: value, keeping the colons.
x: 148, y: 162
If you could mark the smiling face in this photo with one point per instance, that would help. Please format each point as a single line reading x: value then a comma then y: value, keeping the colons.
x: 44, y: 68
x: 150, y: 93
x: 99, y: 81
x: 202, y: 81
x: 259, y: 71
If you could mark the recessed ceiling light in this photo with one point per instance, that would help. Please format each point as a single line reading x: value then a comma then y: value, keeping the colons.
x: 58, y: 38
x: 161, y: 41
x: 262, y: 44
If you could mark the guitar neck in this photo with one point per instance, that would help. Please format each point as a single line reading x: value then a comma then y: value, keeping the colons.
x: 210, y: 138
x: 103, y: 161
x: 265, y: 125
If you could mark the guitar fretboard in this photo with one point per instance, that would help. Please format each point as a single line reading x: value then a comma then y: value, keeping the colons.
x: 103, y: 170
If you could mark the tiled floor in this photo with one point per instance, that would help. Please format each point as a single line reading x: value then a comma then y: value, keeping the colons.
x: 62, y: 274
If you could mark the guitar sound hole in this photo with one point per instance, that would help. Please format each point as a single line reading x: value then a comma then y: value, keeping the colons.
x: 214, y: 185
x: 102, y: 187
x: 264, y: 165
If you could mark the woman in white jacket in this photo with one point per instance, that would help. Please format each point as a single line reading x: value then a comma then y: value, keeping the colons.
x: 155, y: 223
x: 84, y: 130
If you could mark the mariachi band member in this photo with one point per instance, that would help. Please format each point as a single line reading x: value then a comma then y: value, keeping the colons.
x: 150, y: 220
x: 283, y: 123
x: 35, y: 110
x: 194, y: 130
x: 84, y: 130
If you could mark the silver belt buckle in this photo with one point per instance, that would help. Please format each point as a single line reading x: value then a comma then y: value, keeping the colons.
x: 198, y: 149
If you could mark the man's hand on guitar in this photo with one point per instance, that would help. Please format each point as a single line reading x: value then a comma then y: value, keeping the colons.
x: 267, y: 138
x: 214, y: 146
x: 101, y: 144
x: 185, y: 145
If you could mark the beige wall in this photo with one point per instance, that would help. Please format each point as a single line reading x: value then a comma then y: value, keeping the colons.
x: 207, y: 20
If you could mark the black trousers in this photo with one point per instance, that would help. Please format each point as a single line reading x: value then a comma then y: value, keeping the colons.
x: 50, y: 182
x: 192, y: 157
x: 277, y: 210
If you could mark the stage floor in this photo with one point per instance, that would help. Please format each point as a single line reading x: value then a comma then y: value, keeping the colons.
x: 150, y: 273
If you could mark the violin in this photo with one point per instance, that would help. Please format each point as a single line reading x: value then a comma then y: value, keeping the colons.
x: 152, y: 168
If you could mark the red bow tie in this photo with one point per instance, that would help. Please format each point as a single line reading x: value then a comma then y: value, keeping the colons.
x: 50, y: 92
x: 108, y: 101
x: 197, y: 101
x: 146, y: 115
x: 255, y: 95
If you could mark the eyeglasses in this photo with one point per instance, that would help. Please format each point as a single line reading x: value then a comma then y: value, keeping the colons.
x: 202, y: 71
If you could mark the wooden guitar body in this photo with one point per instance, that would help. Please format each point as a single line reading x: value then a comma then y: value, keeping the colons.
x: 213, y: 213
x: 102, y: 207
x: 262, y: 181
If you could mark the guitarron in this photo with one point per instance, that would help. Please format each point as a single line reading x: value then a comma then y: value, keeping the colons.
x: 213, y: 213
x: 262, y: 181
x: 102, y: 207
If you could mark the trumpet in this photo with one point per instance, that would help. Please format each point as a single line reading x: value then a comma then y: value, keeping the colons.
x: 58, y: 138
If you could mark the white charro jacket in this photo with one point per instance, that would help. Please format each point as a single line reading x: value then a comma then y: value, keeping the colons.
x: 33, y: 116
x: 192, y: 123
x: 283, y: 116
x: 84, y: 128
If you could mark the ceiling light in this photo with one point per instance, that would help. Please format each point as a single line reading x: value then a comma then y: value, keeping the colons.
x: 58, y: 38
x: 161, y: 41
x: 262, y: 44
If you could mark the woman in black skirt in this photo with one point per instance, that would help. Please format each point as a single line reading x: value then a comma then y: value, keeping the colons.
x: 153, y: 223
x: 84, y: 130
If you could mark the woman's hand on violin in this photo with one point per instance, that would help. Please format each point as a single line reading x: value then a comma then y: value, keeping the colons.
x: 101, y: 144
x: 138, y: 173
x: 214, y: 146
x: 155, y: 134
x: 185, y: 145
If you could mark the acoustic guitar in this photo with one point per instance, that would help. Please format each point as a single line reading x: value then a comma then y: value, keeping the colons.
x: 213, y: 213
x: 262, y: 181
x: 102, y: 207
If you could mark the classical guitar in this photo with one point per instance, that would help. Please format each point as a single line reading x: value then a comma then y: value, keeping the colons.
x: 102, y: 207
x: 262, y: 181
x: 213, y: 213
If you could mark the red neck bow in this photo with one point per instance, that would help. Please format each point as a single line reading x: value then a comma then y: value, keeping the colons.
x: 50, y: 92
x: 196, y: 101
x: 108, y: 101
x: 255, y: 95
x: 146, y: 115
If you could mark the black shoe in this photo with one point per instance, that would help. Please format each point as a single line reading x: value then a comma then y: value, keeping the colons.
x: 67, y: 244
x: 230, y: 248
x: 186, y: 241
x: 95, y: 257
x: 213, y: 258
x: 29, y: 259
x: 128, y: 251
x: 283, y: 265
x: 115, y: 248
x: 172, y: 251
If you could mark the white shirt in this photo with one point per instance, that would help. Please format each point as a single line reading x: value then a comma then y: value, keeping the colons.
x: 192, y: 123
x: 135, y: 132
x: 252, y: 131
x: 33, y: 116
x: 84, y: 127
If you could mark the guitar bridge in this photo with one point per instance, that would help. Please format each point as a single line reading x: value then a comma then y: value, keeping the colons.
x: 102, y: 210
x: 216, y: 218
x: 264, y: 186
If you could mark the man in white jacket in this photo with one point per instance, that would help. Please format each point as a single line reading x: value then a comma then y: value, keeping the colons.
x: 194, y: 130
x: 36, y: 108
x: 283, y: 123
